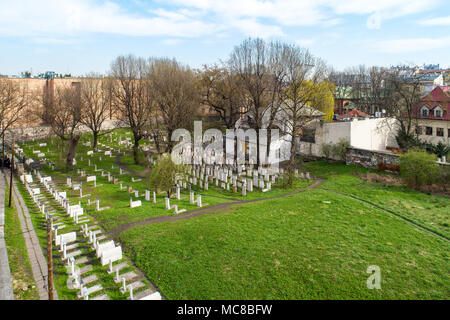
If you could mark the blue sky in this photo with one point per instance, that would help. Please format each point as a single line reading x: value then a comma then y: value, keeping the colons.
x: 79, y: 36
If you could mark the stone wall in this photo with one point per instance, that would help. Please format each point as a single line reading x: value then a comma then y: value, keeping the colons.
x: 372, y: 159
x: 43, y: 132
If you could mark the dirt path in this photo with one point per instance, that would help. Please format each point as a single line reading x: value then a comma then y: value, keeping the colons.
x: 215, y: 209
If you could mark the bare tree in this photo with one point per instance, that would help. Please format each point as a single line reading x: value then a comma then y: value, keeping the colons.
x: 13, y: 100
x: 64, y: 117
x: 96, y: 104
x: 222, y: 92
x: 304, y: 85
x: 370, y: 89
x: 176, y: 95
x: 132, y: 96
x: 256, y: 63
x: 405, y: 94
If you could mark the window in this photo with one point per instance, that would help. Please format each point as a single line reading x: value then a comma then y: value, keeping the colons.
x: 429, y: 131
x: 438, y: 112
x: 309, y: 135
x: 440, y: 132
x: 448, y: 134
x: 424, y: 111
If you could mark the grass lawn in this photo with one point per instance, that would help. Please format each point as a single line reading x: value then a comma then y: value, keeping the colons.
x: 24, y: 286
x: 432, y: 211
x: 297, y: 247
x: 292, y: 248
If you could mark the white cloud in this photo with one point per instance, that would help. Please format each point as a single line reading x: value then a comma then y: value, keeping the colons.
x: 191, y: 18
x: 172, y: 42
x: 441, y: 21
x: 412, y: 45
x: 311, y: 12
x: 53, y: 17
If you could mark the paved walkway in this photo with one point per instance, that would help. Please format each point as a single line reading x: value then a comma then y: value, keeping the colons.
x: 35, y: 255
x: 6, y: 290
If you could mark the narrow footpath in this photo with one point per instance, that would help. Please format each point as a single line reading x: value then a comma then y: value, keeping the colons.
x: 6, y: 289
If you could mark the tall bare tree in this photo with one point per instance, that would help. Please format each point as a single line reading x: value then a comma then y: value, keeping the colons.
x: 13, y: 101
x: 304, y: 85
x: 96, y: 104
x: 64, y: 117
x: 132, y: 96
x: 222, y: 92
x: 406, y: 92
x: 176, y: 95
x: 370, y: 88
x: 256, y: 63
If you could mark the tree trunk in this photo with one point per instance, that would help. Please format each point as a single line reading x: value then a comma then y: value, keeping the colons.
x: 95, y: 139
x: 72, y: 150
x: 136, y: 149
x: 291, y: 166
x: 158, y: 148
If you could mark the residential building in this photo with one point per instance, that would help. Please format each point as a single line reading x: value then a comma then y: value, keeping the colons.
x: 433, y: 117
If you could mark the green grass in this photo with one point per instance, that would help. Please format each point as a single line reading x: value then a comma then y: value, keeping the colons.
x: 432, y: 211
x: 60, y: 275
x: 110, y: 194
x: 292, y: 248
x: 24, y: 286
x: 297, y: 247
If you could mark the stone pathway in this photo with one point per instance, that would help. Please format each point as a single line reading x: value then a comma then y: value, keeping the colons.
x: 35, y: 255
x: 6, y: 290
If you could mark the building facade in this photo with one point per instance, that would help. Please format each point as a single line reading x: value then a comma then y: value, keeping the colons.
x: 433, y: 117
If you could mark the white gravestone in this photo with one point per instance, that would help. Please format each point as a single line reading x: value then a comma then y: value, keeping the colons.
x: 111, y: 255
x: 66, y: 238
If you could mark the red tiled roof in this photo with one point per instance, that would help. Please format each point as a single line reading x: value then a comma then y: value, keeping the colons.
x: 439, y: 96
x: 353, y: 114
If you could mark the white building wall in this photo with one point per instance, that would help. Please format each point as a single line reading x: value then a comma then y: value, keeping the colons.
x: 373, y: 134
x: 369, y: 134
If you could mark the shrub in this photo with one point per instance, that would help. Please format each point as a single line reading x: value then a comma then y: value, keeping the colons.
x: 327, y: 150
x: 164, y: 174
x: 440, y: 149
x: 418, y: 168
x: 340, y: 149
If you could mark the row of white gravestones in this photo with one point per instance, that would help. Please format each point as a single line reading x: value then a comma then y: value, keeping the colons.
x: 223, y: 174
x: 74, y: 211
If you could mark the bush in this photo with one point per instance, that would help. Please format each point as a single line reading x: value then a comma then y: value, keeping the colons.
x: 418, y: 168
x: 340, y: 149
x: 440, y: 149
x: 164, y: 174
x: 327, y: 150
